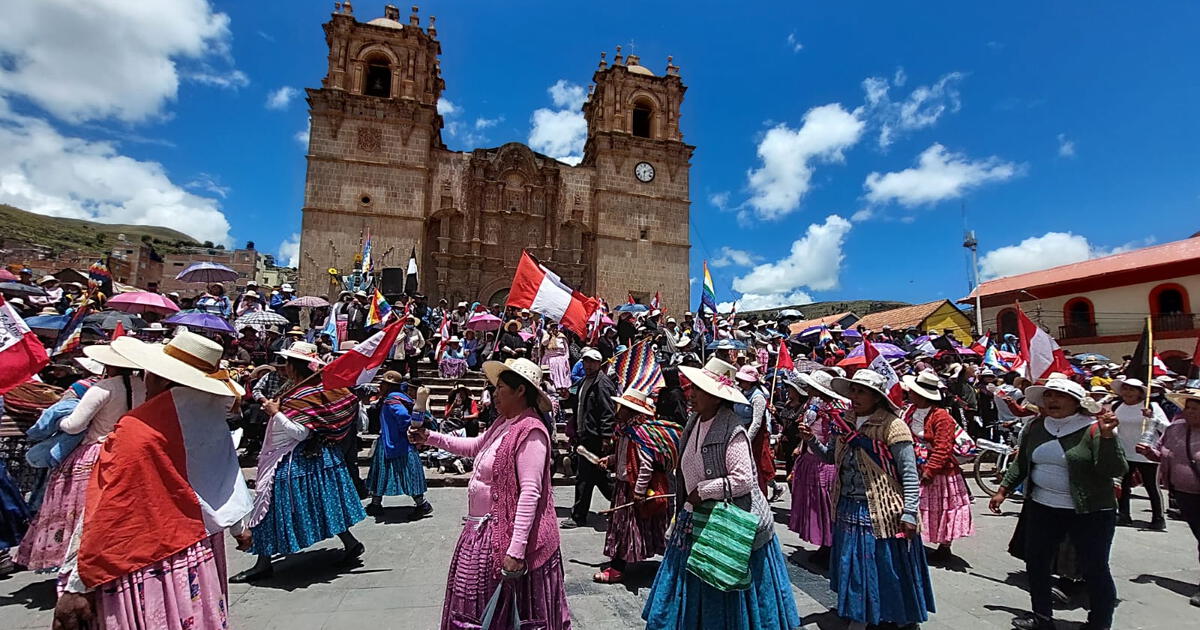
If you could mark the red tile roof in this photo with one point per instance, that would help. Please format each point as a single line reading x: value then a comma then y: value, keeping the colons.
x: 1167, y: 253
x: 828, y: 320
x: 900, y: 318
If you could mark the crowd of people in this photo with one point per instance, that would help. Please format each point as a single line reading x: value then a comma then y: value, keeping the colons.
x: 744, y: 413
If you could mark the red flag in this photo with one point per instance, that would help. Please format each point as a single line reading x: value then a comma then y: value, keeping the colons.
x: 656, y: 302
x: 1039, y: 350
x: 118, y: 332
x: 540, y: 290
x: 360, y: 364
x: 891, y: 380
x: 21, y: 354
x: 784, y: 361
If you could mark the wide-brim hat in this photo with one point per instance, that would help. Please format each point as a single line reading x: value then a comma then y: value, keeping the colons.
x: 821, y: 382
x: 797, y: 384
x: 1123, y: 381
x: 188, y: 359
x: 683, y: 341
x: 636, y: 400
x: 296, y: 331
x: 925, y: 384
x: 95, y: 367
x: 748, y: 373
x: 1034, y: 393
x: 1182, y: 396
x: 106, y: 355
x: 716, y: 378
x: 303, y: 351
x: 529, y: 372
x: 512, y: 323
x: 868, y: 378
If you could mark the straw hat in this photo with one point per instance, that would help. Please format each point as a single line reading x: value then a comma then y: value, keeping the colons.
x: 529, y: 372
x: 797, y: 384
x: 821, y: 382
x: 295, y: 332
x: 95, y: 367
x: 1182, y: 396
x: 716, y: 378
x: 925, y: 384
x: 867, y: 378
x: 188, y: 359
x: 393, y: 377
x: 683, y: 341
x: 46, y: 279
x: 104, y: 354
x: 1122, y: 381
x: 636, y: 400
x: 454, y: 339
x: 748, y: 374
x: 512, y: 324
x: 302, y: 350
x: 1034, y: 393
x: 48, y: 310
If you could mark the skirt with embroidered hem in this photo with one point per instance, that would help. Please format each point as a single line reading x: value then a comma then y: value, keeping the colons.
x: 812, y: 512
x: 14, y: 514
x: 678, y: 600
x: 450, y: 367
x: 45, y: 544
x: 186, y: 591
x: 539, y: 595
x: 395, y: 476
x: 946, y: 509
x: 631, y: 537
x: 877, y: 580
x: 313, y: 499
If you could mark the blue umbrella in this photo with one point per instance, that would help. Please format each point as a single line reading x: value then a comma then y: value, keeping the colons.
x: 48, y: 322
x: 1086, y: 357
x: 633, y: 308
x: 200, y: 319
x: 727, y: 344
x: 207, y: 272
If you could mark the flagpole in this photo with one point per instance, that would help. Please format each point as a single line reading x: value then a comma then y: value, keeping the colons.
x: 775, y: 376
x: 1149, y: 364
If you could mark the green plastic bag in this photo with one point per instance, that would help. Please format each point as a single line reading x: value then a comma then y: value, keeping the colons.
x: 722, y: 540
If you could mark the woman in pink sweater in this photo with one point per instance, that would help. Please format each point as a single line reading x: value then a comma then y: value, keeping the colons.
x: 509, y: 541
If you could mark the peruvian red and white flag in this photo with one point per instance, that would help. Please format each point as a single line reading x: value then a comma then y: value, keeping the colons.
x: 360, y: 364
x: 540, y: 290
x: 891, y: 380
x: 1039, y: 350
x: 21, y: 353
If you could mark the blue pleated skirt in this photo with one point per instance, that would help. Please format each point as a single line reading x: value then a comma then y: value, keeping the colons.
x: 313, y: 499
x: 679, y: 600
x: 878, y: 580
x: 14, y: 514
x: 396, y: 476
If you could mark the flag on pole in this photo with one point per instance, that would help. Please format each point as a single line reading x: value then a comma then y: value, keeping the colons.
x: 379, y: 310
x: 118, y: 332
x: 824, y: 336
x: 1039, y: 350
x: 71, y: 336
x: 331, y: 331
x: 360, y: 364
x: 21, y: 353
x: 1139, y: 365
x: 784, y: 360
x: 541, y: 291
x: 891, y: 381
x: 410, y: 279
x: 367, y: 263
x: 991, y: 358
x: 637, y: 368
x: 656, y: 301
x: 981, y: 345
x: 708, y: 295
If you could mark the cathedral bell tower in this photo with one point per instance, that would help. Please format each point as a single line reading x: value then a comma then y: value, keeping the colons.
x: 374, y: 129
x: 641, y: 185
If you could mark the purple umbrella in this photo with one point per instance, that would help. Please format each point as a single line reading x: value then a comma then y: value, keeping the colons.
x: 850, y: 332
x: 200, y: 319
x: 888, y: 351
x: 207, y: 272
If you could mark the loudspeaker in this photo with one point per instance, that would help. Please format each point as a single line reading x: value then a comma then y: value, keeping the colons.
x: 391, y: 282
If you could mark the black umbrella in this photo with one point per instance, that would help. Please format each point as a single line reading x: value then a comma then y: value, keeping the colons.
x: 107, y: 320
x: 19, y: 288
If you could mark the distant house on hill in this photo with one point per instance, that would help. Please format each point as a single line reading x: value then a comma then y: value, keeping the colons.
x: 1100, y: 305
x: 939, y: 315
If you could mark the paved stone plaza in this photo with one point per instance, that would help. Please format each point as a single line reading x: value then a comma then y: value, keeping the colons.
x: 401, y: 581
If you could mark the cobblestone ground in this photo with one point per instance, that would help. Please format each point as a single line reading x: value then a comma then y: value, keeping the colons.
x: 401, y: 580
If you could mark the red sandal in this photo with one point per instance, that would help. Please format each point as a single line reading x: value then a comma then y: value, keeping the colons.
x: 608, y: 576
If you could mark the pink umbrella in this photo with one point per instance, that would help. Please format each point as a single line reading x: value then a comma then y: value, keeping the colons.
x: 7, y: 276
x: 483, y: 321
x: 142, y: 302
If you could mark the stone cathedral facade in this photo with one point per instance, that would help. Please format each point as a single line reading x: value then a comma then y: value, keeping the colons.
x: 615, y: 224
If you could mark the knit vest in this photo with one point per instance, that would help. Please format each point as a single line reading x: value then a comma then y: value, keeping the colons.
x: 543, y: 534
x: 885, y: 495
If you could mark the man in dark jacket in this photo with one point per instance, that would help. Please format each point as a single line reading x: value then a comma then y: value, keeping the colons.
x: 593, y: 428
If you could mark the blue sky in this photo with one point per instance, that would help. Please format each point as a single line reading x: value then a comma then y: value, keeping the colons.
x: 836, y: 146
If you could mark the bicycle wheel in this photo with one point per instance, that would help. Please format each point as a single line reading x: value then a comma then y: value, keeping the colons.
x: 986, y: 470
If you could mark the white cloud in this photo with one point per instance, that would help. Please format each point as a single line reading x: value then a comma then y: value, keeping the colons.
x: 1066, y: 147
x: 208, y: 183
x: 560, y: 133
x: 730, y: 256
x: 785, y: 176
x: 814, y: 263
x: 103, y: 59
x: 281, y: 98
x: 446, y: 108
x: 1043, y: 252
x: 567, y: 95
x: 794, y: 43
x: 45, y: 172
x: 302, y: 135
x: 487, y: 123
x: 921, y: 108
x: 938, y: 176
x: 289, y: 250
x: 720, y: 200
x: 755, y: 302
x: 862, y: 215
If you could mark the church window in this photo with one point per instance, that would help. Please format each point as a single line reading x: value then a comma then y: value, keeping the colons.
x: 365, y: 200
x: 643, y: 115
x: 379, y: 77
x: 644, y: 234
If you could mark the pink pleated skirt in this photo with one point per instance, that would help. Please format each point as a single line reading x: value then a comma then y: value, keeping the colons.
x: 946, y: 509
x: 631, y: 537
x: 812, y: 512
x: 45, y: 544
x: 187, y: 591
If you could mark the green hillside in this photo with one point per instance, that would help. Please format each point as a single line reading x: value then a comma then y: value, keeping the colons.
x: 65, y: 234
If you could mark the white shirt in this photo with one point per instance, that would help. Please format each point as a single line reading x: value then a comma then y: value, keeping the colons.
x: 1051, y: 483
x: 1130, y: 429
x: 102, y: 405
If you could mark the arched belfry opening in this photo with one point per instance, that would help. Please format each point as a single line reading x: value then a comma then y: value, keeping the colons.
x: 378, y: 79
